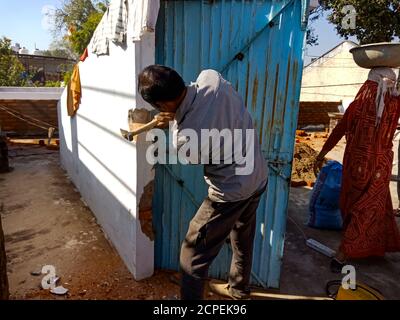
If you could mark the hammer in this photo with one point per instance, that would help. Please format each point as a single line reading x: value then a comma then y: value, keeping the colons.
x: 129, y: 135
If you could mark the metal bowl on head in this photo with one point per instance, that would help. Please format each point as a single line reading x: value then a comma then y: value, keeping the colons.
x: 385, y: 54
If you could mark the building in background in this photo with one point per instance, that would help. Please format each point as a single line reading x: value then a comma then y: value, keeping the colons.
x: 330, y: 84
x: 42, y: 67
x: 45, y: 67
x: 333, y: 77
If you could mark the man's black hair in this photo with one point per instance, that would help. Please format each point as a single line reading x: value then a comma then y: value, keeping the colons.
x: 159, y: 83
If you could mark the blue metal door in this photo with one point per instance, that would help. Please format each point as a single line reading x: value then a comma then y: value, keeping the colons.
x: 258, y: 46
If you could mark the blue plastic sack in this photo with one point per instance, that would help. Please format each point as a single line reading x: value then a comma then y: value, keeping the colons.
x: 324, y: 204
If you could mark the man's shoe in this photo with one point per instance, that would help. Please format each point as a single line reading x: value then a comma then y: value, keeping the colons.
x: 224, y: 290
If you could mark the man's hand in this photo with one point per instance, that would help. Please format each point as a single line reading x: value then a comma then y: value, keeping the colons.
x: 164, y: 119
x: 319, y: 161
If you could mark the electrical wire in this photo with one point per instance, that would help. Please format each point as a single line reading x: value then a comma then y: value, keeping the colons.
x: 31, y: 123
x: 322, y: 57
x: 20, y: 116
x: 333, y: 85
x: 329, y: 94
x: 328, y: 67
x: 298, y: 227
x: 26, y: 116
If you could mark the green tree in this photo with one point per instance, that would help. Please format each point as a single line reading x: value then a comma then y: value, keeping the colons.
x: 76, y: 20
x: 376, y: 20
x: 58, y: 53
x: 11, y: 69
x: 61, y: 47
x: 81, y: 37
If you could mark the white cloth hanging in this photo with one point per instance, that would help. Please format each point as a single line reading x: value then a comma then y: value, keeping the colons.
x: 143, y: 17
x: 386, y: 79
x: 118, y: 20
x: 140, y: 16
x: 100, y: 38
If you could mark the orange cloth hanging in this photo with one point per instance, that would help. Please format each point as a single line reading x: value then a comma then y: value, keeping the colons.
x: 84, y: 55
x: 74, y: 91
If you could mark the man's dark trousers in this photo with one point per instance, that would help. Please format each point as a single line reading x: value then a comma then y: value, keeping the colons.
x: 208, y: 231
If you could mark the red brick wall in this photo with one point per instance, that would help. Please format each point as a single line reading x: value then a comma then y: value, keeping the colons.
x: 44, y: 110
x: 316, y: 113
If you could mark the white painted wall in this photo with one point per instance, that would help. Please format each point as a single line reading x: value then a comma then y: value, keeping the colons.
x: 333, y: 77
x: 110, y: 172
x: 30, y: 93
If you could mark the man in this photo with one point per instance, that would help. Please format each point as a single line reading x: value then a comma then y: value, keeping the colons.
x: 369, y: 124
x: 233, y: 197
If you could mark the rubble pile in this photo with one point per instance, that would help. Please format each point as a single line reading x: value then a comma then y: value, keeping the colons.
x: 303, y: 165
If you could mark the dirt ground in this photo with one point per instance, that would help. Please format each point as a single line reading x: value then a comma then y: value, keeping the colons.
x: 306, y: 271
x: 46, y: 223
x: 303, y: 163
x: 307, y: 148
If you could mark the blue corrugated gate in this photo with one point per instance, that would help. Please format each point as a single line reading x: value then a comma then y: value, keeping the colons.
x: 257, y: 45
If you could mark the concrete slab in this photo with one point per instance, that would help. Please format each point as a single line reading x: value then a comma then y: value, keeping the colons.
x: 30, y: 93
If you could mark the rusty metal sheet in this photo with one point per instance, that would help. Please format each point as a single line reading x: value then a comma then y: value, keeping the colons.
x: 258, y: 46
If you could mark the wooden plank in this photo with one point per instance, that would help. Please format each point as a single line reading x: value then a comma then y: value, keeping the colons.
x: 218, y: 287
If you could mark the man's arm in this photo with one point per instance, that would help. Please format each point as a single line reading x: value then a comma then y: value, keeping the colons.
x: 337, y: 134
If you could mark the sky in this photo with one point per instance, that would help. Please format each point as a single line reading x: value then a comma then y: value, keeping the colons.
x: 327, y: 39
x: 23, y: 21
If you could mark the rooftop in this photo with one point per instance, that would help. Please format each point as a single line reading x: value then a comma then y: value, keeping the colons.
x: 30, y: 93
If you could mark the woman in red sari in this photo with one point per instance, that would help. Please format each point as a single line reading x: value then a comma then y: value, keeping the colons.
x: 369, y: 124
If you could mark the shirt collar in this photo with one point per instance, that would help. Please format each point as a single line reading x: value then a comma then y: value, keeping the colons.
x: 186, y: 103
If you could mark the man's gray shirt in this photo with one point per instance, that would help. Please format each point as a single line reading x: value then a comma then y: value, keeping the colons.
x: 212, y: 103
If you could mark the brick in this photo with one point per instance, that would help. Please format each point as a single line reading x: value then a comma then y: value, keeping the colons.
x: 316, y: 113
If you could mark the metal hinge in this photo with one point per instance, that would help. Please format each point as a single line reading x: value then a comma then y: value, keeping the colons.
x: 278, y: 166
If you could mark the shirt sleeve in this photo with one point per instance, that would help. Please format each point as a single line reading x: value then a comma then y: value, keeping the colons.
x: 180, y: 140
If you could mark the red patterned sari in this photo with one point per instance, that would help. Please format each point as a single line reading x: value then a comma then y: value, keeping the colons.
x: 370, y: 228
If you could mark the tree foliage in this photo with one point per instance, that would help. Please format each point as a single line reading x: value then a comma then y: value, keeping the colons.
x: 62, y: 48
x: 58, y: 53
x: 312, y: 38
x: 11, y: 69
x: 75, y: 22
x: 81, y: 37
x: 311, y: 35
x: 376, y: 20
